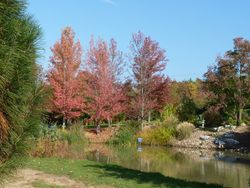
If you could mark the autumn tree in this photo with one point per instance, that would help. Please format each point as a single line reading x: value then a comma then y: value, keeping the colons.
x: 150, y: 86
x: 188, y: 99
x: 63, y: 77
x: 229, y: 81
x: 103, y: 91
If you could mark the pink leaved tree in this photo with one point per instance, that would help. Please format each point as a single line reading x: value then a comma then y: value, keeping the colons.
x: 150, y: 85
x: 103, y: 92
x: 63, y: 77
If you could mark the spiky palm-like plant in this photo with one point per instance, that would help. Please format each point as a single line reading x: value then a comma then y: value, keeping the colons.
x: 20, y: 92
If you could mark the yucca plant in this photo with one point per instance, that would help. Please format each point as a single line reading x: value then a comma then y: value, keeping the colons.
x: 20, y: 89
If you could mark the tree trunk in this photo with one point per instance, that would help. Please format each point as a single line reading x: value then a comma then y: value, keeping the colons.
x: 109, y: 122
x: 239, y: 116
x: 149, y: 116
x: 64, y: 123
x: 142, y: 125
x: 98, y: 127
x: 142, y: 108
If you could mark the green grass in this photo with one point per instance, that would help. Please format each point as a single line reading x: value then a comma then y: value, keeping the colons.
x: 95, y: 173
x: 43, y: 184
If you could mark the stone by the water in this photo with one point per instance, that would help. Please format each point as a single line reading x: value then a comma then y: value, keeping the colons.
x: 205, y: 137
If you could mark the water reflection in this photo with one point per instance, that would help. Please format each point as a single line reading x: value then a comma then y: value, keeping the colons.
x: 227, y: 168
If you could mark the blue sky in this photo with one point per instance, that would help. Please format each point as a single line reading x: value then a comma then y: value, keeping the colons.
x: 193, y: 32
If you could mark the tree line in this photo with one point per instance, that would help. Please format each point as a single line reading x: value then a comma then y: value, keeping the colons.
x: 94, y: 90
x: 95, y: 87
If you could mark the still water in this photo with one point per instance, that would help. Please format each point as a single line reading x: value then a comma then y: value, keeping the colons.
x: 226, y: 168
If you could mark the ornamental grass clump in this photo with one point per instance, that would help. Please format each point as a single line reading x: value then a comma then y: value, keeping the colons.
x: 184, y: 130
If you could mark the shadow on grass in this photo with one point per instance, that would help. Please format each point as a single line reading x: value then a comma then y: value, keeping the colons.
x: 155, y: 179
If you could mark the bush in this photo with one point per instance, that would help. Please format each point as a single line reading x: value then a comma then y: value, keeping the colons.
x: 123, y: 137
x: 126, y: 133
x: 160, y: 135
x: 49, y: 132
x: 170, y: 122
x: 168, y: 111
x: 187, y: 110
x: 57, y: 142
x: 213, y: 117
x: 72, y: 135
x: 184, y: 130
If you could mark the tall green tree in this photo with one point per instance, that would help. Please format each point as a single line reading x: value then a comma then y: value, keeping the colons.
x: 20, y: 88
x: 229, y: 80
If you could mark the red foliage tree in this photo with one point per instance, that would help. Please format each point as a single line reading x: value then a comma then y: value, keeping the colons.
x: 103, y: 90
x: 63, y: 77
x: 229, y: 82
x: 151, y: 87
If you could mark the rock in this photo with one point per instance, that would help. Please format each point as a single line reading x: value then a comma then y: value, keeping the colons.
x: 243, y: 124
x: 219, y: 142
x: 215, y: 129
x: 231, y: 142
x: 225, y: 142
x: 205, y: 137
x: 233, y: 127
x: 227, y: 126
x: 220, y: 128
x: 228, y: 135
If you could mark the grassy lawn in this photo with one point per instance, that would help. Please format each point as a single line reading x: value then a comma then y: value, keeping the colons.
x: 95, y: 173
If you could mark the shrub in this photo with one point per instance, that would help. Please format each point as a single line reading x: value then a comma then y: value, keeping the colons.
x: 72, y: 135
x: 49, y: 132
x: 123, y: 137
x: 160, y: 135
x: 168, y: 111
x: 57, y: 142
x: 184, y: 130
x: 126, y: 133
x: 213, y: 117
x: 170, y: 122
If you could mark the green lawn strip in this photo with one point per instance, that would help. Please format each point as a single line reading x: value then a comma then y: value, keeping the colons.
x: 95, y: 173
x: 43, y: 184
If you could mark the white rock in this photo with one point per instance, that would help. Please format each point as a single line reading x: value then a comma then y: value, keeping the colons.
x: 220, y: 128
x: 205, y: 137
x: 215, y: 128
x: 228, y: 126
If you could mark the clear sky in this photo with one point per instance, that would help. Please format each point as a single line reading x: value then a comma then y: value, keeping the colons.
x: 193, y: 32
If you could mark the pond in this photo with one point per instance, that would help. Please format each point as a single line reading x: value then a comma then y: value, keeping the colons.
x: 230, y: 169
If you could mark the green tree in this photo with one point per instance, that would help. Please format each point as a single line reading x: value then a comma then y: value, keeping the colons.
x: 20, y: 88
x: 189, y: 99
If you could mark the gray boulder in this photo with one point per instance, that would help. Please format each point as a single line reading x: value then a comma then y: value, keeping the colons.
x: 228, y: 135
x: 231, y: 142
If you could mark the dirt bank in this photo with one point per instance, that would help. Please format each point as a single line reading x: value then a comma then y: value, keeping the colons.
x: 26, y: 178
